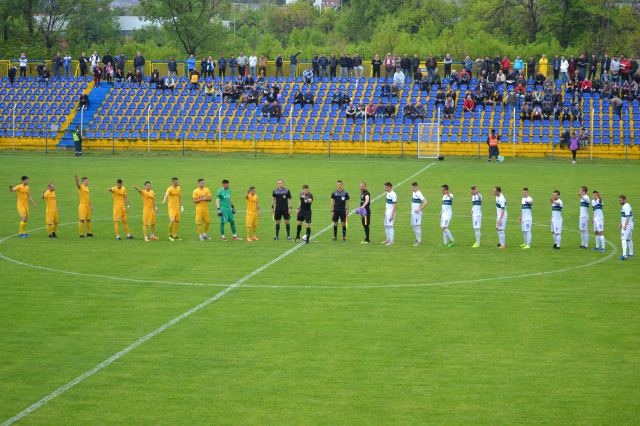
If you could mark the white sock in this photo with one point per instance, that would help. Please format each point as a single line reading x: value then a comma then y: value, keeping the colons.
x: 558, y: 239
x: 501, y: 237
x: 386, y: 231
x: 449, y: 234
x: 391, y: 233
x: 524, y: 233
x: 478, y: 235
x: 597, y: 241
x: 445, y: 236
x: 528, y: 237
x: 630, y: 243
x: 222, y: 235
x: 624, y: 247
x: 418, y: 231
x: 586, y: 238
x: 153, y: 235
x: 602, y: 241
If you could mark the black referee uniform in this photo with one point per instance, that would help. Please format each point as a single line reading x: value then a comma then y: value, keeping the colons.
x: 366, y: 220
x: 304, y: 214
x: 339, y: 212
x: 281, y: 209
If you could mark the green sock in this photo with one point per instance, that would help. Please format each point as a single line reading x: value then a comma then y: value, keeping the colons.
x: 233, y: 227
x: 222, y: 229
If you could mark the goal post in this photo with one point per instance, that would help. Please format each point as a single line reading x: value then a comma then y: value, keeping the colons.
x: 429, y: 137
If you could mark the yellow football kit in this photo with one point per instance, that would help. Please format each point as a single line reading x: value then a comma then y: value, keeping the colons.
x: 252, y: 210
x: 52, y: 210
x: 119, y: 210
x: 23, y: 200
x: 148, y: 213
x: 85, y: 203
x: 202, y: 208
x: 174, y: 203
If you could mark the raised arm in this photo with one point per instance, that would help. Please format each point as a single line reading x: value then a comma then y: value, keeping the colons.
x: 77, y: 182
x: 43, y: 192
x: 140, y: 191
x: 12, y: 188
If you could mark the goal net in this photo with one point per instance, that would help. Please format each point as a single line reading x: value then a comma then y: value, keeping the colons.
x: 429, y: 138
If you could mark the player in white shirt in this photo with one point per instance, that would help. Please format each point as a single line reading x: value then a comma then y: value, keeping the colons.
x: 501, y: 215
x: 584, y: 217
x: 476, y: 214
x: 418, y: 203
x: 390, y: 213
x: 556, y: 219
x: 598, y: 221
x: 626, y: 225
x: 525, y: 218
x: 445, y: 215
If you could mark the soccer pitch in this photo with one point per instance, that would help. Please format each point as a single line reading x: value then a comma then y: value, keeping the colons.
x: 320, y: 334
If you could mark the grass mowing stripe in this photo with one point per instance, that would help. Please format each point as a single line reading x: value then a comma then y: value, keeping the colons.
x: 108, y: 361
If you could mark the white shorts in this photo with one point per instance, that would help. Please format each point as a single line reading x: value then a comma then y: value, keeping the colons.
x: 598, y: 225
x: 503, y: 223
x: 556, y: 226
x: 416, y: 218
x: 477, y: 222
x: 626, y: 235
x: 526, y: 225
x: 444, y: 221
x: 387, y: 220
x: 584, y: 223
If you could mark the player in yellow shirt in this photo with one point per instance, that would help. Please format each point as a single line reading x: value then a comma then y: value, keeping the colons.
x: 49, y: 196
x: 253, y: 212
x: 149, y: 211
x: 23, y: 204
x: 86, y: 208
x: 119, y: 210
x: 202, y: 196
x: 174, y: 194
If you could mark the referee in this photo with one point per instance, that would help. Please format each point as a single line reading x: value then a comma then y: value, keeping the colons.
x: 339, y: 211
x: 304, y: 212
x: 365, y: 203
x: 283, y: 204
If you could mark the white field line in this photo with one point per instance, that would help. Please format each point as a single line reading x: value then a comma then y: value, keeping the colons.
x: 108, y: 361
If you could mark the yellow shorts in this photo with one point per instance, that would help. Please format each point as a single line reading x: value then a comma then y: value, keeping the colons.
x: 23, y: 210
x: 149, y: 217
x: 174, y: 215
x: 202, y: 217
x: 119, y: 213
x: 85, y: 212
x: 252, y: 219
x: 52, y: 218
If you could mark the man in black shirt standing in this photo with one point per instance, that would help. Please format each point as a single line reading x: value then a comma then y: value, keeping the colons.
x: 304, y: 213
x: 283, y: 203
x: 365, y: 203
x: 339, y: 211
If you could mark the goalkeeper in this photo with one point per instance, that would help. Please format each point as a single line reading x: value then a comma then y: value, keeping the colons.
x: 226, y: 210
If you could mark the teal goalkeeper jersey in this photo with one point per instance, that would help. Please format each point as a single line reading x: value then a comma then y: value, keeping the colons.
x: 225, y: 199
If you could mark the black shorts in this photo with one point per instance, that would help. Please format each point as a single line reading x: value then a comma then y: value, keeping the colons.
x: 339, y: 215
x: 366, y: 220
x: 281, y: 213
x: 304, y: 216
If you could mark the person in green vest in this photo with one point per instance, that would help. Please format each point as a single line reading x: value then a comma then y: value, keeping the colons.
x: 77, y: 141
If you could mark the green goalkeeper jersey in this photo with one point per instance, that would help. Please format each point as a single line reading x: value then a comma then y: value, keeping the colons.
x: 224, y: 195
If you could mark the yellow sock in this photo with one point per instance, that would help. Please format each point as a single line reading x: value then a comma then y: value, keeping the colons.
x: 125, y: 224
x: 255, y: 229
x: 88, y: 227
x: 170, y: 228
x: 80, y: 227
x: 206, y: 227
x: 23, y: 227
x: 117, y: 226
x: 144, y: 230
x: 248, y: 232
x: 175, y: 229
x: 200, y: 229
x: 49, y: 229
x: 55, y: 227
x: 153, y: 230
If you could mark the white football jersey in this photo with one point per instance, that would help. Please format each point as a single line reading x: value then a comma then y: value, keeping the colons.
x: 526, y: 208
x: 596, y: 205
x: 501, y: 204
x: 392, y: 199
x: 416, y: 200
x: 584, y: 206
x: 627, y: 213
x: 476, y: 210
x: 447, y: 201
x: 556, y: 210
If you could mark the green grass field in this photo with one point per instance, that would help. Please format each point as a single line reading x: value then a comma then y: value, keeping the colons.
x: 328, y: 333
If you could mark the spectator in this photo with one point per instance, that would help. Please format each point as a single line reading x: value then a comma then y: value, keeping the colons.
x: 129, y: 77
x: 479, y: 66
x: 425, y: 84
x: 279, y: 62
x: 191, y: 64
x: 389, y: 66
x: 262, y: 65
x: 314, y: 65
x: 261, y: 83
x: 307, y: 75
x: 375, y: 65
x: 565, y: 139
x: 371, y: 111
x: 276, y: 110
x: 564, y: 68
x: 226, y: 92
x: 344, y: 66
x: 537, y: 113
x: 194, y: 78
x: 593, y: 66
x: 398, y: 77
x: 543, y: 65
x: 572, y: 65
x: 253, y: 96
x: 582, y: 63
x: 12, y: 74
x: 357, y: 66
x: 497, y: 63
x: 506, y: 65
x: 440, y: 97
x: 333, y: 65
x: 419, y: 111
x: 82, y: 62
x: 203, y: 66
x: 547, y: 111
x: 556, y: 64
x: 405, y: 65
x: 57, y: 63
x: 97, y: 74
x: 66, y: 62
x: 537, y: 98
x: 349, y: 65
x: 415, y: 64
x: 408, y: 111
x: 488, y: 65
x: 170, y: 82
x: 539, y: 80
x: 323, y: 63
x: 222, y: 66
x: 209, y: 90
x: 44, y: 75
x: 211, y: 67
x: 469, y: 104
x: 448, y: 61
x: 520, y: 78
x: 107, y: 58
x: 624, y: 92
x: 308, y: 97
x: 574, y: 144
x: 586, y: 86
x: 253, y: 65
x: 120, y: 62
x: 173, y: 66
x: 467, y: 65
x: 449, y: 108
x: 531, y: 67
x: 240, y: 83
x: 337, y: 98
x: 83, y: 101
x: 464, y: 77
x: 119, y: 76
x: 155, y: 77
x: 266, y: 110
x: 380, y: 110
x: 248, y: 81
x: 605, y: 64
x: 389, y: 110
x: 395, y: 90
x: 242, y: 61
x: 501, y: 78
x: 498, y: 98
x: 615, y: 65
x: 108, y: 72
x: 385, y: 90
x: 417, y: 77
x: 511, y: 101
x: 548, y: 85
x: 617, y: 103
x: 526, y: 113
x: 596, y: 86
x: 566, y: 114
x: 23, y: 65
x: 585, y: 139
x: 294, y: 62
x: 139, y: 62
x: 351, y: 111
x: 432, y: 66
x: 94, y: 60
x: 436, y: 78
x: 138, y: 78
